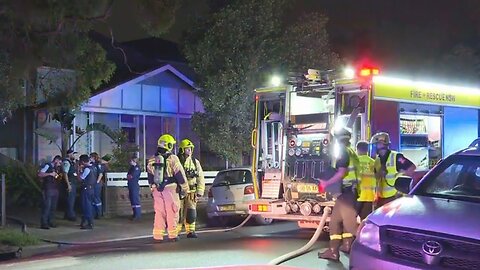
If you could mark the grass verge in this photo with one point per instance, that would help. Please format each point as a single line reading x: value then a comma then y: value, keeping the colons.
x: 12, y: 237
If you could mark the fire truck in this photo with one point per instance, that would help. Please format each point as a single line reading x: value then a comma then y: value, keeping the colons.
x: 293, y: 145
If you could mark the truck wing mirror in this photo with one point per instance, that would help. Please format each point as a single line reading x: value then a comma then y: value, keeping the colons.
x: 403, y: 184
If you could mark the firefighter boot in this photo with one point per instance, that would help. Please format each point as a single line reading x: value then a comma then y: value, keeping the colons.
x: 332, y: 252
x: 346, y: 245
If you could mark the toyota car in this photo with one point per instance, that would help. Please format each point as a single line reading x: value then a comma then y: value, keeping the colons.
x: 436, y: 226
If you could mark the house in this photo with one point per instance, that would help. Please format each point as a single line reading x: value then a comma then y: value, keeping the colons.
x: 152, y: 92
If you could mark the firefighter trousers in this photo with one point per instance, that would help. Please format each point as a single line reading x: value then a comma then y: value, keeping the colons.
x: 343, y: 221
x: 188, y: 213
x: 166, y: 204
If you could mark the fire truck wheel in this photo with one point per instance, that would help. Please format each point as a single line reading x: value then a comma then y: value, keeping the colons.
x: 262, y: 221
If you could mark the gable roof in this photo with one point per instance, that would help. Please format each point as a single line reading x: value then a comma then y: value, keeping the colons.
x: 143, y: 58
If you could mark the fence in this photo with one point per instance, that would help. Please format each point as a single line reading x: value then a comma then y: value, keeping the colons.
x: 116, y: 200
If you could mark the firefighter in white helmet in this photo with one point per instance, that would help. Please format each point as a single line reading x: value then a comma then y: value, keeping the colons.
x: 196, y: 183
x: 343, y: 221
x: 168, y: 182
x: 389, y: 165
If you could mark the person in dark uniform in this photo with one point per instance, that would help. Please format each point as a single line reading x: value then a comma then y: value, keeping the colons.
x: 51, y: 176
x: 343, y: 220
x: 389, y: 165
x: 97, y: 198
x: 88, y: 178
x: 133, y: 177
x: 70, y: 174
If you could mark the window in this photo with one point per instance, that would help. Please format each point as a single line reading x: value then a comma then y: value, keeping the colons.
x: 456, y: 178
x: 233, y: 177
x: 129, y: 125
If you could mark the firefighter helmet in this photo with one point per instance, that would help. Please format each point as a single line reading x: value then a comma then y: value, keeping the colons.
x: 186, y: 143
x: 382, y: 137
x: 168, y: 141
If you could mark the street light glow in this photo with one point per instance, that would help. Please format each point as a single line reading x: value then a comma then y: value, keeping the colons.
x: 276, y: 80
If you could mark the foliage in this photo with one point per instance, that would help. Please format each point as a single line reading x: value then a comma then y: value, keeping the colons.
x: 236, y: 51
x: 22, y: 185
x: 46, y: 44
x: 122, y: 153
x: 18, y: 239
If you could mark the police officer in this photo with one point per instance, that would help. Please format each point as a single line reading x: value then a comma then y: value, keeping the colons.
x: 51, y: 176
x: 343, y: 220
x: 167, y: 181
x: 367, y: 183
x: 97, y: 198
x: 70, y: 174
x: 389, y: 165
x: 196, y: 183
x: 87, y: 175
x: 133, y: 177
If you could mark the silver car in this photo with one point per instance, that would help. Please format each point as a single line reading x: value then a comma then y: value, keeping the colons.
x: 228, y: 196
x: 436, y: 226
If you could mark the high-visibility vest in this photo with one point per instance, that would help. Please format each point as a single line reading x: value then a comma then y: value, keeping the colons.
x: 351, y: 179
x: 367, y: 182
x: 387, y: 185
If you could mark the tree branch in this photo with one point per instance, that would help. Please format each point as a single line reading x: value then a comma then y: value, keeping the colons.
x: 125, y: 59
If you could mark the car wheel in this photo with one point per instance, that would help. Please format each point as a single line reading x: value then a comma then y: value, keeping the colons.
x: 260, y: 220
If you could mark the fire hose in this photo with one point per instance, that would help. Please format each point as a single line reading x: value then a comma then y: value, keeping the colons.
x: 306, y: 247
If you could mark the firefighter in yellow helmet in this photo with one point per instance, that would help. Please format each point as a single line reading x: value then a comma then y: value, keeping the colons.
x: 367, y: 184
x: 196, y: 183
x: 343, y: 220
x: 389, y: 165
x: 168, y: 182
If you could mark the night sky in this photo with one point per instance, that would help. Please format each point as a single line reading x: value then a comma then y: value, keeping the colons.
x: 402, y: 36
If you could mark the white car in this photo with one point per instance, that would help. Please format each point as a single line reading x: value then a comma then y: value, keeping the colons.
x: 229, y: 194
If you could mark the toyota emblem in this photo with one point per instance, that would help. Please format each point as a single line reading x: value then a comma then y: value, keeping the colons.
x: 432, y: 248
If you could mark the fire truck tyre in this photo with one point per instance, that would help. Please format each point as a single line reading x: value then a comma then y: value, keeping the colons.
x: 262, y: 221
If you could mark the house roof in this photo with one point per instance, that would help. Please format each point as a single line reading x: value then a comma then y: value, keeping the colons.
x: 141, y: 59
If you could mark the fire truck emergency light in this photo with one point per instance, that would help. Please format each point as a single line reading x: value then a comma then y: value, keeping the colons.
x: 365, y: 72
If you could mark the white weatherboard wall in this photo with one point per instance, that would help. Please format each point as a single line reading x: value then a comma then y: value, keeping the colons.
x: 460, y: 128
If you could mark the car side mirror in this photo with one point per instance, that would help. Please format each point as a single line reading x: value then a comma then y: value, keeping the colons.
x: 403, y: 184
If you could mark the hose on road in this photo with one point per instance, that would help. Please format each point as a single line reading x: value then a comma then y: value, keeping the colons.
x: 135, y: 237
x: 306, y: 247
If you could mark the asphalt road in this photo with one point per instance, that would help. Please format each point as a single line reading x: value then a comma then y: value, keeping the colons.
x: 250, y: 245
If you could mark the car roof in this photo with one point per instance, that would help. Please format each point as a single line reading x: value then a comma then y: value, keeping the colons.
x: 236, y: 169
x: 472, y: 150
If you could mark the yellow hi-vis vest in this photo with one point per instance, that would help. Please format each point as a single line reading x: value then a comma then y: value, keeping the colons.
x: 367, y: 182
x: 351, y: 179
x: 387, y: 184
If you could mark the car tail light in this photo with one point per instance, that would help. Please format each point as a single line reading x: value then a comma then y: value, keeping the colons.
x: 248, y: 190
x: 210, y: 193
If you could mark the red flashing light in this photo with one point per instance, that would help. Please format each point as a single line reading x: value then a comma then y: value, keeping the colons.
x: 325, y: 142
x: 292, y: 143
x: 248, y: 190
x: 257, y: 97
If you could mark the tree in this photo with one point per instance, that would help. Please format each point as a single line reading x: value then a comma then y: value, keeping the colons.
x: 236, y: 51
x: 54, y: 34
x: 48, y: 58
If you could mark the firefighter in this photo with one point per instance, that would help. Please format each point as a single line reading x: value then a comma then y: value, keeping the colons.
x: 367, y: 183
x: 196, y: 184
x: 97, y: 197
x: 51, y: 176
x: 87, y: 175
x: 70, y: 175
x: 389, y: 165
x: 343, y: 220
x: 168, y: 183
x: 133, y: 177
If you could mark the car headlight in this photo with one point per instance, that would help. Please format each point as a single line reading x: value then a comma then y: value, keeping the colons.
x: 369, y: 236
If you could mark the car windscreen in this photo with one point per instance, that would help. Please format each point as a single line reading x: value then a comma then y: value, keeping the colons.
x: 233, y: 177
x: 457, y: 178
